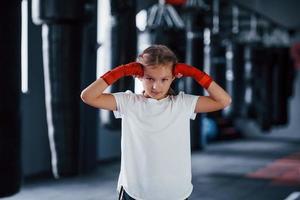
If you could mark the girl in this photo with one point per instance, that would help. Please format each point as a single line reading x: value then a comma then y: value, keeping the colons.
x: 155, y: 141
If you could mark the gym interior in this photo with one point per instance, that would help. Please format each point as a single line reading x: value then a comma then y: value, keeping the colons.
x: 53, y: 146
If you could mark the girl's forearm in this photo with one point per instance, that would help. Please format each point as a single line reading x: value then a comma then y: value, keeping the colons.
x: 206, y: 81
x: 97, y: 88
x: 130, y: 69
x: 94, y: 90
x: 219, y: 94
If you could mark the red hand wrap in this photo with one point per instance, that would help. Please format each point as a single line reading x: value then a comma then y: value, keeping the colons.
x: 130, y: 69
x: 186, y: 70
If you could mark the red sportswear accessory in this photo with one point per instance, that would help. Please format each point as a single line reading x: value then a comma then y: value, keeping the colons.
x: 187, y: 70
x: 176, y: 2
x: 130, y: 69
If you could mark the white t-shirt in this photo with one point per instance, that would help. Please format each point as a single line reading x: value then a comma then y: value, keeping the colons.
x: 155, y: 145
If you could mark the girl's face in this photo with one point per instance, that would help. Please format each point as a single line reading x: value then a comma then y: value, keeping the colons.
x: 157, y: 80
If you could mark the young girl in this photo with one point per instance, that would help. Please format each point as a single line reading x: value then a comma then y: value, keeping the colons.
x: 155, y: 141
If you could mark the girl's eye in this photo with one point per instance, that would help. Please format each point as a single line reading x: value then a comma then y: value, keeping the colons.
x: 165, y: 80
x: 149, y: 79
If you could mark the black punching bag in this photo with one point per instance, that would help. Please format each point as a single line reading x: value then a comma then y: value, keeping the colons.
x: 281, y: 66
x: 62, y: 27
x: 123, y: 47
x: 262, y: 86
x: 195, y: 57
x: 10, y: 87
x: 238, y: 79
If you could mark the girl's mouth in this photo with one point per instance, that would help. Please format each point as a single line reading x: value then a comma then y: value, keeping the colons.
x: 155, y: 93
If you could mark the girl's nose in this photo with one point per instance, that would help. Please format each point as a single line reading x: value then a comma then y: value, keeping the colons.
x: 155, y: 85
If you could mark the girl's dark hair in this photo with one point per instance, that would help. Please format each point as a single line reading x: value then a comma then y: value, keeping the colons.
x: 158, y: 54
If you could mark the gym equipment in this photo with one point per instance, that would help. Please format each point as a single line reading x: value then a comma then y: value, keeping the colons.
x: 248, y: 39
x: 271, y: 81
x: 223, y: 63
x: 123, y: 47
x: 10, y: 86
x: 272, y: 68
x: 262, y: 85
x: 62, y: 32
x: 238, y: 87
x: 165, y: 26
x: 89, y: 117
x: 194, y: 12
x: 282, y: 65
x: 164, y: 15
x: 176, y: 2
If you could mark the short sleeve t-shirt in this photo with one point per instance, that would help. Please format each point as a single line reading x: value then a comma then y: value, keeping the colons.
x: 155, y: 145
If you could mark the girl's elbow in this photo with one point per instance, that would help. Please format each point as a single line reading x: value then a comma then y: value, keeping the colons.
x: 227, y: 102
x: 84, y: 97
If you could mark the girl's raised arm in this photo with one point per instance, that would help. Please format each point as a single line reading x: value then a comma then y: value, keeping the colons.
x: 217, y: 99
x: 93, y: 94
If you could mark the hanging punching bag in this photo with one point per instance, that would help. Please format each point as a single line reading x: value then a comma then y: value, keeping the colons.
x: 123, y: 46
x: 262, y: 87
x: 10, y: 87
x: 89, y: 117
x: 195, y: 57
x: 217, y: 52
x: 239, y: 83
x: 62, y: 37
x: 281, y: 66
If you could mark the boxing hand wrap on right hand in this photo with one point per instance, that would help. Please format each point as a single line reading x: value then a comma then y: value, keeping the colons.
x: 187, y: 70
x: 130, y: 69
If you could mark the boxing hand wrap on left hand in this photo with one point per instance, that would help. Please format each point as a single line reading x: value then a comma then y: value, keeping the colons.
x: 187, y: 70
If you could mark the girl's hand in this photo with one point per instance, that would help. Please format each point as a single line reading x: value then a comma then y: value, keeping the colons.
x: 187, y: 70
x: 130, y: 69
